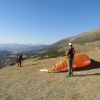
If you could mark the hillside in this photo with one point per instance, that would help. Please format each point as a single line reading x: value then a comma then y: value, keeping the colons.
x: 28, y: 83
x: 80, y: 39
x: 4, y: 57
x: 79, y: 48
x: 9, y: 58
x: 5, y: 53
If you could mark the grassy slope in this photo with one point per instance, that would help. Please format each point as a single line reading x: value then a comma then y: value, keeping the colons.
x: 81, y: 38
x: 28, y: 83
x: 79, y: 48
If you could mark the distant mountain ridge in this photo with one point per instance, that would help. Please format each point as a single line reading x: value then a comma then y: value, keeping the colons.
x: 20, y: 47
x: 79, y: 39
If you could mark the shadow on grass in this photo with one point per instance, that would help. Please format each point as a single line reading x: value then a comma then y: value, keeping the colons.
x: 83, y: 75
x: 94, y: 65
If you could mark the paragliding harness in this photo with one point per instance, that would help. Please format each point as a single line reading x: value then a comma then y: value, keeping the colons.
x: 71, y: 53
x: 19, y: 58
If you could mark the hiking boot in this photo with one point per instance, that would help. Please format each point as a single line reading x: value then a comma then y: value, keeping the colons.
x: 71, y: 74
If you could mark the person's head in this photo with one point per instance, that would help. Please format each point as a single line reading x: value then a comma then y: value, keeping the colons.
x: 70, y: 44
x: 20, y: 53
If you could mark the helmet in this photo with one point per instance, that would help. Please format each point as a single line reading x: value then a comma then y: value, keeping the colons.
x: 69, y: 43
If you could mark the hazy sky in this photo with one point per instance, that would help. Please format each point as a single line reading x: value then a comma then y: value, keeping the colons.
x: 46, y: 21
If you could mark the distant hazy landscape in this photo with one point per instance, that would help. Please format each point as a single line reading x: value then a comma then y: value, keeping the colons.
x: 9, y: 52
x: 20, y: 47
x: 83, y: 42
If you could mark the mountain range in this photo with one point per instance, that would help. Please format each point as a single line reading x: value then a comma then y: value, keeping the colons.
x: 20, y: 47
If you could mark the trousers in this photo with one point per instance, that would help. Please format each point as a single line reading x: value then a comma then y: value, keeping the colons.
x: 70, y: 67
x: 19, y: 63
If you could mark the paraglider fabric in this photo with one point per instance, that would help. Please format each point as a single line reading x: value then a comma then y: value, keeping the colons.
x: 79, y: 61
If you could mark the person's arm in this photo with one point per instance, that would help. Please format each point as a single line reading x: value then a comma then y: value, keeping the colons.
x: 17, y: 59
x: 74, y: 51
x: 67, y: 53
x: 21, y: 57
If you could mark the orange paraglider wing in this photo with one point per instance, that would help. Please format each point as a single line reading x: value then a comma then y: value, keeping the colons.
x: 79, y: 61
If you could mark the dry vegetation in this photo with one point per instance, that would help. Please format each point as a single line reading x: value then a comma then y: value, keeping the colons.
x: 85, y: 47
x: 28, y: 83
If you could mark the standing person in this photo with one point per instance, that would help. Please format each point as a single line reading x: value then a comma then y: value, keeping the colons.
x: 70, y: 55
x: 19, y: 59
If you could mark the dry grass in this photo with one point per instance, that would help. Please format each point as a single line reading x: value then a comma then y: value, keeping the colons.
x: 81, y: 48
x: 28, y: 83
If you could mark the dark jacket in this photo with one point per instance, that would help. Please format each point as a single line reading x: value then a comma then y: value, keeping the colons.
x: 70, y: 53
x: 19, y: 58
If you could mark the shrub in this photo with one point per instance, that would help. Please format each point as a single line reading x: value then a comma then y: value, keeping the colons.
x: 51, y: 54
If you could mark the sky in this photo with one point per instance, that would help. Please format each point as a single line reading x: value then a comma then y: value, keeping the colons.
x: 46, y: 21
